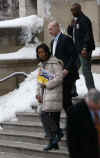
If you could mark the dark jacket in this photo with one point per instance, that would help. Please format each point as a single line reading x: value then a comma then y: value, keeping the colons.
x: 83, y: 33
x: 81, y: 133
x: 65, y: 51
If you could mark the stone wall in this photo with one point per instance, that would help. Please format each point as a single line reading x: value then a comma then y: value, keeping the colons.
x: 10, y: 39
x: 8, y: 67
x: 9, y: 9
x: 60, y: 11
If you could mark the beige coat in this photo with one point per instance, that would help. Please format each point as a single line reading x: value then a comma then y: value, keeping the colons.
x: 52, y: 94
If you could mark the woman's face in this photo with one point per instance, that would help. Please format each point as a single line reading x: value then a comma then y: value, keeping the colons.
x: 42, y: 54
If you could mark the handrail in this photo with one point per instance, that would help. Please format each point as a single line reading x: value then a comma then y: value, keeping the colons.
x: 13, y: 75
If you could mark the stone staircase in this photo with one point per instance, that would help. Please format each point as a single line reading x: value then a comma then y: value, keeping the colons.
x: 24, y: 138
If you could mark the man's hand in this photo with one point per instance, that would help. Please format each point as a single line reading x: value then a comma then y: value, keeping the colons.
x: 84, y: 53
x: 65, y: 72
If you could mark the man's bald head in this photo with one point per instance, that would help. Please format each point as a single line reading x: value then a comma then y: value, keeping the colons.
x: 53, y: 28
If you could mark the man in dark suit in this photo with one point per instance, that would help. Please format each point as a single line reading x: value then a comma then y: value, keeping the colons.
x: 83, y: 128
x: 63, y: 48
x: 81, y: 31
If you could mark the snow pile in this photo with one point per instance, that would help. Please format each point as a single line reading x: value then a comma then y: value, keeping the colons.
x: 33, y: 21
x: 27, y: 52
x: 31, y: 25
x: 20, y: 99
x: 80, y: 84
x: 96, y: 52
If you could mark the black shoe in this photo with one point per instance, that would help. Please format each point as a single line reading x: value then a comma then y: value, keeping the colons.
x: 51, y: 146
x: 46, y: 135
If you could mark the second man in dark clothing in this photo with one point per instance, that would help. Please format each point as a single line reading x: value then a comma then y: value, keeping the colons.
x: 81, y: 31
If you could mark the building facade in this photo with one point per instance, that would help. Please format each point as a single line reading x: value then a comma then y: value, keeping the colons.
x: 60, y: 11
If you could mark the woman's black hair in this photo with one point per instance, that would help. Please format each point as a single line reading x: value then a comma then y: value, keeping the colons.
x: 45, y: 47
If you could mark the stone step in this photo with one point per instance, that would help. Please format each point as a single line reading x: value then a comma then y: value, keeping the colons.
x: 31, y: 116
x: 30, y: 149
x: 24, y: 136
x: 28, y: 116
x: 15, y: 155
x: 25, y: 126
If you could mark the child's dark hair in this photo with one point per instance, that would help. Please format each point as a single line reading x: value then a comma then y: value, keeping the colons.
x: 45, y: 47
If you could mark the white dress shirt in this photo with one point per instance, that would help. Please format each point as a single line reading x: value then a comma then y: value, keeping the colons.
x: 75, y: 18
x: 55, y: 43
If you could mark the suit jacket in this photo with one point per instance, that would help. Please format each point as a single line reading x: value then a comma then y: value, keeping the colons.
x: 82, y: 136
x: 83, y: 33
x: 66, y: 51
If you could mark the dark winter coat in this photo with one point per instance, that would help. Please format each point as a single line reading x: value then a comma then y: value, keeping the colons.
x: 83, y: 33
x: 82, y: 137
x: 65, y: 51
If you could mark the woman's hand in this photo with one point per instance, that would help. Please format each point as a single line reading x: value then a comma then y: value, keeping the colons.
x: 39, y: 98
x: 43, y: 85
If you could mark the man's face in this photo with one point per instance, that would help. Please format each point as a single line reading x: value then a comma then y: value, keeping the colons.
x: 75, y: 11
x: 53, y: 30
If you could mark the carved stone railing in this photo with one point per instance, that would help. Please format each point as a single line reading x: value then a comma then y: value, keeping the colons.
x: 13, y: 72
x: 14, y: 75
x: 11, y: 82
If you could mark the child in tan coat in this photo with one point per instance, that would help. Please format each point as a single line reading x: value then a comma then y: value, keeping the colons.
x: 49, y: 93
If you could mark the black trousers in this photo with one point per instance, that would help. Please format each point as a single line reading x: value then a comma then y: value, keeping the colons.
x: 50, y: 121
x: 67, y: 93
x: 67, y: 99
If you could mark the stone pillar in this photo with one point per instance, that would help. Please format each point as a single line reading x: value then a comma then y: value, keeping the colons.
x: 98, y: 42
x: 40, y: 10
x: 44, y: 8
x: 92, y: 10
x: 22, y: 9
x: 31, y: 7
x: 27, y: 7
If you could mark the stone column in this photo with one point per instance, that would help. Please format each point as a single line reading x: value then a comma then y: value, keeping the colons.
x: 98, y: 9
x: 92, y: 10
x: 40, y: 10
x: 27, y: 7
x: 22, y: 8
